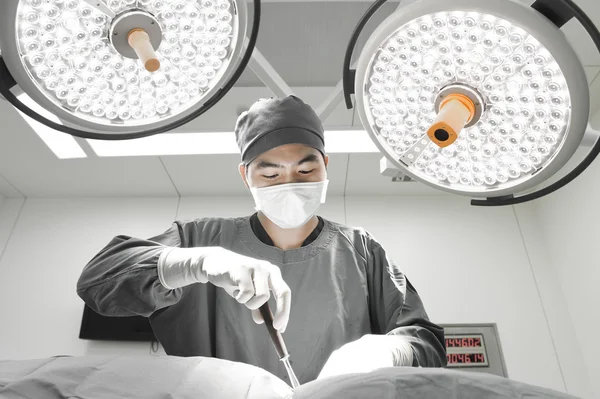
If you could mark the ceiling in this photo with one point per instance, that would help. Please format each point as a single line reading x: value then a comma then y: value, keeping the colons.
x: 304, y: 42
x: 28, y: 168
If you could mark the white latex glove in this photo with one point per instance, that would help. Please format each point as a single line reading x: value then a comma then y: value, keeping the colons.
x: 247, y: 280
x: 369, y: 353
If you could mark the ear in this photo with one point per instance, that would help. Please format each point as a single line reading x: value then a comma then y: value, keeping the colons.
x: 242, y: 168
x: 326, y: 160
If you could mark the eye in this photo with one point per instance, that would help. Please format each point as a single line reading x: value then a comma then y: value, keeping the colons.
x: 307, y: 172
x: 270, y: 177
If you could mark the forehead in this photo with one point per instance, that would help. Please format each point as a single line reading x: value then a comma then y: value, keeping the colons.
x: 288, y: 153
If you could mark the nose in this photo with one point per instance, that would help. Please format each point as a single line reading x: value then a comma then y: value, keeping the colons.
x: 289, y: 176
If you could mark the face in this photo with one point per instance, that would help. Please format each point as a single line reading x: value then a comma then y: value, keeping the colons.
x: 290, y: 163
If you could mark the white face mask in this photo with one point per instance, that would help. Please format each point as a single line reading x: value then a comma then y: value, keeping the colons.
x: 292, y: 205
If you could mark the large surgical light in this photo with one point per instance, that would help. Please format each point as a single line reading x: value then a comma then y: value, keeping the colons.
x: 484, y: 98
x: 122, y: 69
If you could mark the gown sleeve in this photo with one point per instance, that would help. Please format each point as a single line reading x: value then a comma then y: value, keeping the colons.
x: 397, y: 309
x: 122, y: 279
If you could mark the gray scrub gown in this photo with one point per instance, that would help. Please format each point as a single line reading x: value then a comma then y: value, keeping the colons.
x: 343, y: 286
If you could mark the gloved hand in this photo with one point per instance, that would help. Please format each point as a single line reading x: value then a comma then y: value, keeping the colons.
x: 369, y: 353
x: 247, y: 280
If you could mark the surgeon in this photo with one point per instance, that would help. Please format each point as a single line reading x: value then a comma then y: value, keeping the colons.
x: 202, y: 281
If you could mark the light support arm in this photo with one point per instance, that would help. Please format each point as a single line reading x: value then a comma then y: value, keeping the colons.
x: 326, y: 108
x: 268, y: 75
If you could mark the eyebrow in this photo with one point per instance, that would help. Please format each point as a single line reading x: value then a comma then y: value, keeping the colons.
x: 307, y: 159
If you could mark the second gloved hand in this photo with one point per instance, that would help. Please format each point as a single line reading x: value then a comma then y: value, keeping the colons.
x: 369, y: 353
x: 248, y: 280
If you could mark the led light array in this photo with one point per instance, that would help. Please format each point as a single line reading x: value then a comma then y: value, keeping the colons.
x: 65, y: 49
x: 526, y: 95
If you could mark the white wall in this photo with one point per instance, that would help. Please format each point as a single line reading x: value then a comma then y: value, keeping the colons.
x: 52, y: 241
x: 9, y: 212
x: 570, y: 224
x: 4, y: 231
x: 469, y: 264
x: 566, y: 345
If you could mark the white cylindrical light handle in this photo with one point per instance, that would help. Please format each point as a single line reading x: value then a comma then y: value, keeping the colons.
x: 139, y: 40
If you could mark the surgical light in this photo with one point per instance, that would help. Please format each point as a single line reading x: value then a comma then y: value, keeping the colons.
x: 484, y: 98
x: 122, y: 69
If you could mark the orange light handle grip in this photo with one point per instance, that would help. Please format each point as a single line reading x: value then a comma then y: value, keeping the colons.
x: 456, y: 111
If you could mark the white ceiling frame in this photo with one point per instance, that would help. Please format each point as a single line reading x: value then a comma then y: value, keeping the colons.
x: 268, y: 75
